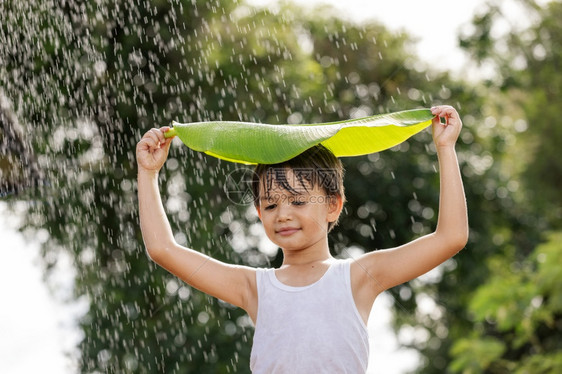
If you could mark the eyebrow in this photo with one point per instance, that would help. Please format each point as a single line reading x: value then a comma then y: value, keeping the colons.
x: 296, y: 193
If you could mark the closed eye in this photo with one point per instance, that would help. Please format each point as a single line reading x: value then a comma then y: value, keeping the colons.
x: 270, y: 207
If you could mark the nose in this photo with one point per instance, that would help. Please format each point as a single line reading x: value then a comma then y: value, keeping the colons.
x: 284, y: 212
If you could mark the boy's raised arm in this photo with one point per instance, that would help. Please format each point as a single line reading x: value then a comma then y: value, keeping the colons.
x: 152, y: 151
x: 233, y: 284
x: 384, y: 269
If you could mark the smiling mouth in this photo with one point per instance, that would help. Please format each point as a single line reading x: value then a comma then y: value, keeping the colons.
x: 287, y: 231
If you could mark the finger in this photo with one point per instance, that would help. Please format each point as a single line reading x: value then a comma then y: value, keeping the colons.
x: 440, y: 119
x: 447, y: 112
x: 152, y: 139
x: 438, y: 113
x: 164, y: 142
x: 158, y: 133
x: 169, y: 132
x: 452, y: 117
x: 450, y: 112
x: 442, y: 110
x: 167, y: 143
x: 436, y: 120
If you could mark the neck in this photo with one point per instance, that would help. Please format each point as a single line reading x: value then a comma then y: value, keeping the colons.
x: 318, y: 252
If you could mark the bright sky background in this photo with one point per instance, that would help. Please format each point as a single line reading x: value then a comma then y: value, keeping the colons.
x: 36, y: 330
x: 435, y: 23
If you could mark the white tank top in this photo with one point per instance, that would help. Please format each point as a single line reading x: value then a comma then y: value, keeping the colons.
x: 311, y: 329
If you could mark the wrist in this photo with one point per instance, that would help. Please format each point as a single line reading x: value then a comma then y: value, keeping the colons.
x: 147, y: 173
x: 445, y: 147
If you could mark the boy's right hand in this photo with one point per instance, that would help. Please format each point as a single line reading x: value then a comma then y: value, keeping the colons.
x: 152, y: 150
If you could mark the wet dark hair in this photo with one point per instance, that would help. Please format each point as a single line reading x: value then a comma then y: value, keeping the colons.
x: 317, y: 166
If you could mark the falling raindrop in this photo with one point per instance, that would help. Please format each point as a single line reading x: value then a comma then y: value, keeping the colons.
x: 87, y: 80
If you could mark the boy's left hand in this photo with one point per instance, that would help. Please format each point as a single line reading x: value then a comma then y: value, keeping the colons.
x: 445, y: 134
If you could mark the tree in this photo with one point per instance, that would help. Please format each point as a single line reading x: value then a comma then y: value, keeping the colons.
x: 517, y: 317
x: 18, y: 166
x: 86, y: 82
x: 517, y: 311
x: 527, y: 61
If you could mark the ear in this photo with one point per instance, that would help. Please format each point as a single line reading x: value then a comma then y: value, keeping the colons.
x: 258, y: 210
x: 335, y: 207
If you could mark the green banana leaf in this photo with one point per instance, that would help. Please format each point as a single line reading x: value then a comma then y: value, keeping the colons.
x: 256, y: 143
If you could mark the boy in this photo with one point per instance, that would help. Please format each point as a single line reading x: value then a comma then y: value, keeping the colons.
x: 311, y: 313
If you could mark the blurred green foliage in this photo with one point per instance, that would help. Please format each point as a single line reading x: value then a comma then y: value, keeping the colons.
x: 516, y: 316
x: 86, y: 80
x: 516, y: 312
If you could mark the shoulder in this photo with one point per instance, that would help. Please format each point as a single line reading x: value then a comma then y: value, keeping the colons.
x: 365, y: 272
x: 259, y: 273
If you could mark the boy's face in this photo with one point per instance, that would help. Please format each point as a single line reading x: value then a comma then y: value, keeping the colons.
x: 299, y: 218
